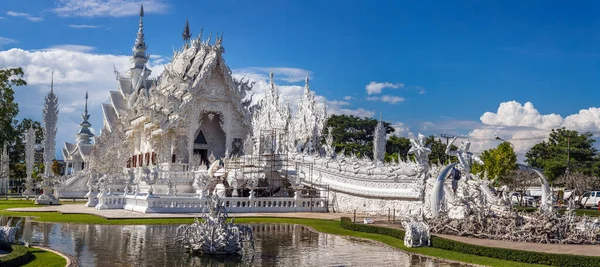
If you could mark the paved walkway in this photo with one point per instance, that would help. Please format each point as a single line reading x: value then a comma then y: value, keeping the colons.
x: 127, y: 214
x: 586, y: 250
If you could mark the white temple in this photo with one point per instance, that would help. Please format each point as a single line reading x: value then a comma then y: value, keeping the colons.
x: 76, y: 155
x: 169, y: 142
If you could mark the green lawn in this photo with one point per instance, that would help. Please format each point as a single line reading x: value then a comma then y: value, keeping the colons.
x: 325, y: 226
x: 45, y: 258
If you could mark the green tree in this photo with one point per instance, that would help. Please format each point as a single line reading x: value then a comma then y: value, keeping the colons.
x: 498, y: 162
x: 8, y: 107
x: 564, y: 148
x: 396, y: 146
x: 438, y: 151
x: 12, y: 132
x: 353, y: 134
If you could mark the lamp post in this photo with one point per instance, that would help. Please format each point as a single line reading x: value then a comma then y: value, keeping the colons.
x: 500, y: 139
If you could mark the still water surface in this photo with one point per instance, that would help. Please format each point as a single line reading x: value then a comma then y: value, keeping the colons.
x: 275, y: 245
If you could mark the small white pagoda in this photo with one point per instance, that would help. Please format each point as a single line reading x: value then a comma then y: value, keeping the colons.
x: 76, y: 154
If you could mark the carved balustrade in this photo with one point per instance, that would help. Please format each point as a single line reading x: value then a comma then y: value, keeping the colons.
x: 186, y: 203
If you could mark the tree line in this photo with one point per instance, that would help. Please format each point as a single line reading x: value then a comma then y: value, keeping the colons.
x: 13, y: 131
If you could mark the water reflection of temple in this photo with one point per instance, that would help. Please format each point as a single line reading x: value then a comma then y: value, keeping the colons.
x: 152, y: 245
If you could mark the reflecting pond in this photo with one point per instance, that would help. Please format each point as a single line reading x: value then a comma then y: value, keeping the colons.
x: 275, y: 245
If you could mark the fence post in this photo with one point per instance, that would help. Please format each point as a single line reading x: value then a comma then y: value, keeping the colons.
x: 389, y: 212
x: 354, y: 216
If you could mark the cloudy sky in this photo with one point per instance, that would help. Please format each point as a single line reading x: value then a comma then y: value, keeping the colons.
x: 471, y: 68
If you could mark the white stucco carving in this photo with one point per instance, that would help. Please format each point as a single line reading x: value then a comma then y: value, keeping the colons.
x: 50, y: 113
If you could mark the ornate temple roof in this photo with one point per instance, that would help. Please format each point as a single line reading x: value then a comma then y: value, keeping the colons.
x: 165, y: 98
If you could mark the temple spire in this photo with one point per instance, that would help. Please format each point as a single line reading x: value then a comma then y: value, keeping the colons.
x: 84, y: 135
x: 187, y: 34
x: 306, y: 85
x: 139, y: 48
x: 52, y: 82
x: 85, y: 111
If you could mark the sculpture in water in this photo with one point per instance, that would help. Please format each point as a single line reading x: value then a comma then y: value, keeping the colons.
x: 50, y: 127
x: 8, y: 233
x: 212, y: 235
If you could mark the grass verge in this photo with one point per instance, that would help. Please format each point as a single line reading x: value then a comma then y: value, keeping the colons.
x: 498, y: 253
x: 44, y: 258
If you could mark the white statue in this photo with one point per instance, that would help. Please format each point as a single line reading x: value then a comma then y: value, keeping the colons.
x: 464, y: 156
x: 213, y: 235
x: 417, y: 234
x: 50, y: 127
x: 379, y: 142
x: 421, y: 153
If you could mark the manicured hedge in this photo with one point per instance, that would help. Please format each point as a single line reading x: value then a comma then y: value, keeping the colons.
x: 498, y: 253
x: 19, y: 255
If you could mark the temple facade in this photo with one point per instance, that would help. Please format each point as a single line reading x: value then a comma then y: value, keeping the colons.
x: 194, y: 108
x: 76, y: 154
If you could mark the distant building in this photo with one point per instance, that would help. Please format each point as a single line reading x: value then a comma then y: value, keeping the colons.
x: 38, y: 157
x: 76, y: 155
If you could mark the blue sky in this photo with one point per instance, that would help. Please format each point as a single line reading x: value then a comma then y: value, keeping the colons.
x: 452, y: 61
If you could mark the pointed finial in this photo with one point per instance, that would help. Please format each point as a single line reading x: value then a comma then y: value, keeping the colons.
x: 271, y: 76
x: 306, y: 85
x: 219, y: 40
x: 187, y: 34
x: 85, y: 110
x: 52, y: 82
x: 142, y: 10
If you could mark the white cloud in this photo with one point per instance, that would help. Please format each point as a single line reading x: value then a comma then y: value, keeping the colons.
x: 338, y: 103
x: 375, y: 87
x: 75, y: 48
x: 387, y: 99
x: 85, y: 26
x: 24, y: 15
x: 524, y: 126
x: 347, y: 98
x: 6, y: 41
x: 108, y: 8
x: 512, y: 113
x: 401, y: 129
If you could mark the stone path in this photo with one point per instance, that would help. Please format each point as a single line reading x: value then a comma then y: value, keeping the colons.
x: 127, y: 214
x: 585, y: 250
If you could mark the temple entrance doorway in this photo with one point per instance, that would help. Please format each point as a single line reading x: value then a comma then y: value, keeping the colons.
x: 211, y: 137
x: 201, y: 147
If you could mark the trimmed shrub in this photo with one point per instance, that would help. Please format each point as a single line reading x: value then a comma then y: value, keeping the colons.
x: 19, y: 255
x: 498, y: 253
